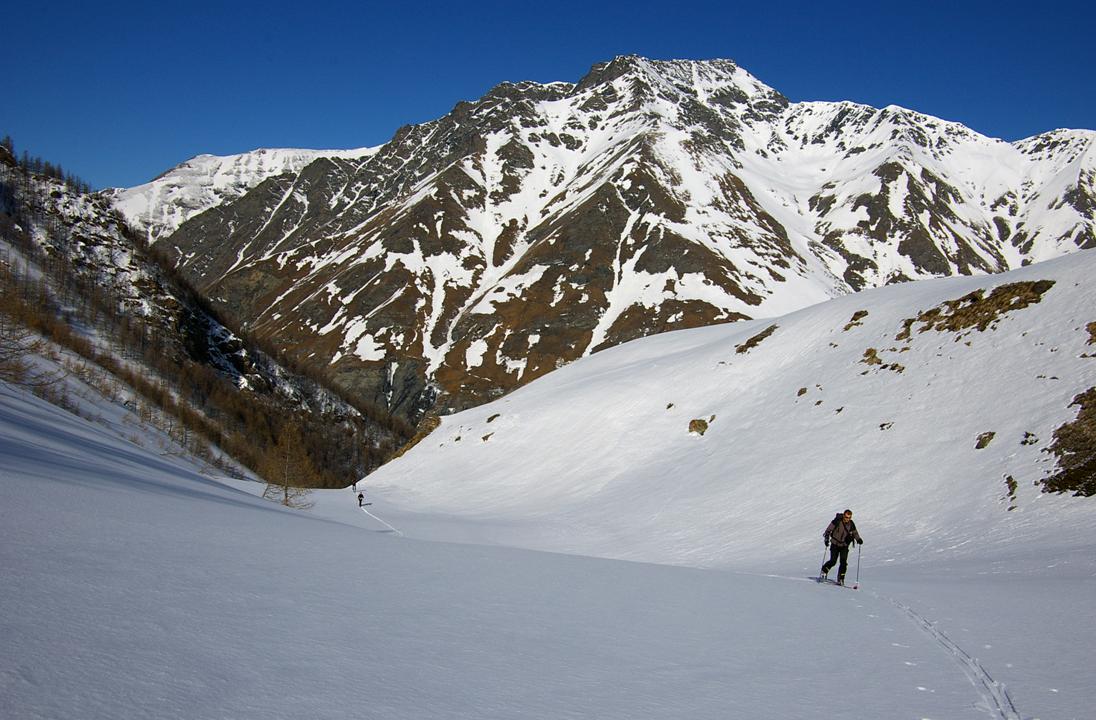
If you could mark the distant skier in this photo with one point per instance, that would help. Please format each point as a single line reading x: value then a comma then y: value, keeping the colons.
x: 839, y: 536
x: 361, y: 499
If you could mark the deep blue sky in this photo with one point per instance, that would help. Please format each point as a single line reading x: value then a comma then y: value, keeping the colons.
x: 118, y: 92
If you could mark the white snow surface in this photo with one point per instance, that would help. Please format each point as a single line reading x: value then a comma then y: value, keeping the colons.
x: 679, y: 584
x: 597, y: 457
x: 160, y: 206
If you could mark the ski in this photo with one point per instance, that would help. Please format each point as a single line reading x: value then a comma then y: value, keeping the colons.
x: 826, y: 581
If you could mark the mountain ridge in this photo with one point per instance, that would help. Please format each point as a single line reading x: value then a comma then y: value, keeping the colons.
x: 542, y: 222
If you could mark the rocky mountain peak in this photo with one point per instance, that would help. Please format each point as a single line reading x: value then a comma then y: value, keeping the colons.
x: 718, y: 84
x: 606, y: 72
x: 541, y: 223
x: 1062, y: 146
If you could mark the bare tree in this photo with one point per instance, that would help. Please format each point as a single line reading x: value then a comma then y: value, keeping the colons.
x: 17, y: 343
x: 288, y: 470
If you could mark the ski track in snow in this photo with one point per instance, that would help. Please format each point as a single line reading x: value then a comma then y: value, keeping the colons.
x: 995, y: 696
x: 382, y: 522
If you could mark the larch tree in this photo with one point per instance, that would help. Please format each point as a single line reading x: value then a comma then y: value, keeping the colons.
x: 288, y: 470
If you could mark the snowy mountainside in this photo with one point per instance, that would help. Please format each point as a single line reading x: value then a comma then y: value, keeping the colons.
x: 1058, y: 189
x: 91, y: 241
x: 84, y: 233
x: 141, y: 586
x: 939, y: 411
x: 160, y: 206
x: 100, y: 290
x: 542, y: 223
x: 900, y: 195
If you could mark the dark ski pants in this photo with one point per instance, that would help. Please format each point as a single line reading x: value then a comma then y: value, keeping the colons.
x: 837, y: 552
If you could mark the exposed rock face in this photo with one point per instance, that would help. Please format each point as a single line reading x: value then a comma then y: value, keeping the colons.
x: 472, y: 254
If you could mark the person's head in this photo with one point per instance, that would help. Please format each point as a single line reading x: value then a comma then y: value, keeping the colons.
x: 847, y: 515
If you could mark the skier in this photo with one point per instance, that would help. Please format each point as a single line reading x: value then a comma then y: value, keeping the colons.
x: 839, y: 536
x: 361, y: 499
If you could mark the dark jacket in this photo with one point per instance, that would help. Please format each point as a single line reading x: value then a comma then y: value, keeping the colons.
x: 841, y: 532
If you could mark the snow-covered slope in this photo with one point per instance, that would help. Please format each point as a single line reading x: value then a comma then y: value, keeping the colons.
x: 135, y: 585
x: 160, y: 206
x: 930, y: 408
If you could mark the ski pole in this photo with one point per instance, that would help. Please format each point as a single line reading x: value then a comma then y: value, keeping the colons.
x: 858, y: 548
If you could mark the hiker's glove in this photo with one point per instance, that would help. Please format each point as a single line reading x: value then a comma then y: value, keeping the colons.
x: 826, y: 542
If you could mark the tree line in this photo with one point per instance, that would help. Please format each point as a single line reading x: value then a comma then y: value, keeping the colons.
x: 44, y: 168
x: 271, y: 435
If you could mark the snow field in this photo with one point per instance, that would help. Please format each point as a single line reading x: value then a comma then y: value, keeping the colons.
x: 136, y: 586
